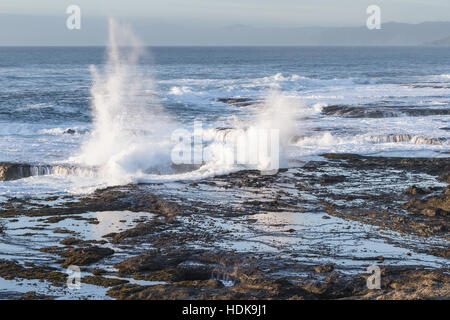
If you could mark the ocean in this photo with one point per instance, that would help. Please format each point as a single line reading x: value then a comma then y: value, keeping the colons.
x: 363, y: 100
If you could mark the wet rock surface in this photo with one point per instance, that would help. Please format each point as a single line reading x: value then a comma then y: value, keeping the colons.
x: 85, y: 256
x: 238, y: 101
x: 380, y: 112
x: 10, y: 269
x: 308, y: 232
x: 14, y: 171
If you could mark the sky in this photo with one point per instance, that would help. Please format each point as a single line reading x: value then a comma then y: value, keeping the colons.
x: 258, y: 13
x: 185, y: 22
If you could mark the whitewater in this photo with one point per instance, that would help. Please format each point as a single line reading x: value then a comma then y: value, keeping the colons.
x: 107, y: 116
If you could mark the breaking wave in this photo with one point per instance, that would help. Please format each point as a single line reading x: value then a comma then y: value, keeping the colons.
x: 16, y: 171
x: 408, y: 138
x: 381, y: 112
x: 133, y: 136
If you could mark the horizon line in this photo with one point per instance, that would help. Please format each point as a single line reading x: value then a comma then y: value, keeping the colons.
x: 224, y: 45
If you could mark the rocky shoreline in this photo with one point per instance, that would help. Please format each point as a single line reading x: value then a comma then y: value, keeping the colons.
x: 308, y: 232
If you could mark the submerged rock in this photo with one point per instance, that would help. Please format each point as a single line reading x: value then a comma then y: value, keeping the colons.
x: 392, y: 138
x: 14, y: 171
x: 241, y: 102
x: 369, y: 111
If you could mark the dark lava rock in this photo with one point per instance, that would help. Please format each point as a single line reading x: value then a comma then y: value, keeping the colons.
x: 241, y: 102
x: 213, y: 289
x: 428, y: 165
x: 178, y: 274
x: 85, y: 256
x: 432, y: 212
x: 33, y: 295
x: 70, y: 241
x: 181, y: 291
x: 98, y: 272
x: 151, y: 261
x: 108, y: 199
x: 324, y: 268
x: 14, y: 171
x: 102, y: 281
x: 388, y: 111
x: 411, y: 283
x: 445, y: 177
x: 10, y: 270
x: 141, y: 230
x: 414, y: 190
x: 326, y: 179
x: 434, y: 205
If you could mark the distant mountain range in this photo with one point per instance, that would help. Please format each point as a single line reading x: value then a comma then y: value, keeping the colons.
x: 401, y: 34
x: 441, y: 42
x: 40, y: 30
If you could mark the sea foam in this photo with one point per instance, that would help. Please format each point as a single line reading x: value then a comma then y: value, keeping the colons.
x: 132, y: 137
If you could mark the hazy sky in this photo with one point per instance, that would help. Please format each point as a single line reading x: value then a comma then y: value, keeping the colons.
x: 258, y: 13
x: 213, y: 22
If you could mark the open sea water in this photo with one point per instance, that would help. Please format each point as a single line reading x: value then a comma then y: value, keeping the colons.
x: 392, y: 101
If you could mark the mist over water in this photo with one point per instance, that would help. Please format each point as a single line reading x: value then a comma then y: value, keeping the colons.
x: 131, y: 129
x: 132, y: 137
x: 114, y: 125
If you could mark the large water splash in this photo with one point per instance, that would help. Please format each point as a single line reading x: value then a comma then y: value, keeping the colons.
x: 131, y: 139
x: 131, y: 130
